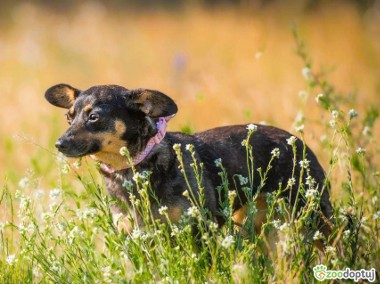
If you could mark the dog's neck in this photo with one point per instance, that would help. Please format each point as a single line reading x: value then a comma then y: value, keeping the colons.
x: 122, y: 163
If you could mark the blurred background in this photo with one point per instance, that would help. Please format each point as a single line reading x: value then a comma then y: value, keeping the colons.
x: 224, y: 62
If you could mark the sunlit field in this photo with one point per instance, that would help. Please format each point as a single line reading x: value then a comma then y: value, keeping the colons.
x: 314, y: 73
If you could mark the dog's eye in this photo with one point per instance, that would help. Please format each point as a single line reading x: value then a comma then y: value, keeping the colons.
x: 93, y: 117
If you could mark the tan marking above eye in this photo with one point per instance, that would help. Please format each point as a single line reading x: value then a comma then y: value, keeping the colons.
x: 87, y: 108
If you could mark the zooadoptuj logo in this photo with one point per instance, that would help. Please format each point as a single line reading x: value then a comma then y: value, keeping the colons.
x: 321, y: 273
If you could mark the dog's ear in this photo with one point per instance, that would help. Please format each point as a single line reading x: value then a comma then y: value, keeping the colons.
x: 153, y: 103
x: 62, y: 95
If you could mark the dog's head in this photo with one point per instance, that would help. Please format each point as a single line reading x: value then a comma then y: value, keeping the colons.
x: 105, y: 118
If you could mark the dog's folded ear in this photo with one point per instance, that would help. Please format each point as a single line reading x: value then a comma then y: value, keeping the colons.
x: 62, y: 95
x: 153, y: 103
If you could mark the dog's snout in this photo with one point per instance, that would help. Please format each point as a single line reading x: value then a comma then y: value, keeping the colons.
x: 61, y: 144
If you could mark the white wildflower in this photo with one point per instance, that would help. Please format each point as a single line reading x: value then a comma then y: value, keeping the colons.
x: 11, y: 259
x: 218, y: 162
x: 24, y: 182
x: 54, y: 193
x: 177, y: 147
x: 189, y: 147
x: 284, y: 227
x: 306, y: 73
x: 330, y: 249
x: 318, y: 98
x: 231, y: 195
x: 300, y: 128
x: 335, y: 113
x: 228, y: 241
x: 352, y: 113
x: 360, y: 150
x: 276, y: 223
x: 123, y: 151
x: 39, y: 194
x: 213, y: 226
x: 242, y: 180
x: 291, y: 140
x: 317, y: 236
x: 332, y: 123
x: 310, y: 181
x: 366, y: 131
x: 252, y: 127
x: 163, y: 210
x: 291, y: 181
x: 275, y: 153
x: 193, y: 211
x: 305, y: 163
x: 311, y: 193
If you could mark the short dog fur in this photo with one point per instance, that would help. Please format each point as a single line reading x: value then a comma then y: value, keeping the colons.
x: 105, y: 118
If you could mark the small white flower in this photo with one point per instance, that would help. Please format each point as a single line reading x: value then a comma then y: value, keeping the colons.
x: 317, y: 236
x: 189, y: 147
x: 346, y: 234
x: 11, y: 259
x: 330, y: 249
x: 218, y: 162
x: 352, y: 113
x: 231, y: 194
x: 360, y: 150
x: 127, y: 184
x: 318, y: 98
x: 291, y: 140
x: 242, y: 180
x: 311, y: 193
x: 275, y: 153
x: 54, y: 193
x: 24, y: 182
x: 228, y: 241
x: 123, y: 151
x: 300, y: 128
x: 163, y: 210
x: 291, y: 181
x: 310, y: 181
x: 284, y: 227
x: 213, y: 226
x: 39, y: 194
x: 177, y: 147
x: 136, y: 233
x: 366, y: 131
x: 304, y: 163
x: 334, y: 114
x: 276, y: 223
x: 193, y: 211
x: 306, y: 73
x: 332, y: 123
x: 252, y: 127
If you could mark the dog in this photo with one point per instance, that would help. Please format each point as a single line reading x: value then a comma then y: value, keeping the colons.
x: 106, y: 118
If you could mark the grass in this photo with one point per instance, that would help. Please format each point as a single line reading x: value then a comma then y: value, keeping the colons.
x: 55, y: 224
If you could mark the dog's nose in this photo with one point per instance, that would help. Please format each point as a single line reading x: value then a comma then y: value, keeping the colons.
x: 61, y: 144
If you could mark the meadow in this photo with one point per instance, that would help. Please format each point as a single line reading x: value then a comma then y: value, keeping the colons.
x: 315, y: 74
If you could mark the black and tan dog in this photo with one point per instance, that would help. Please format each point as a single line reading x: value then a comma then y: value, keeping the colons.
x: 104, y: 119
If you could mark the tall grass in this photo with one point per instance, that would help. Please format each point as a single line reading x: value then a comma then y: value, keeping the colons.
x: 72, y: 238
